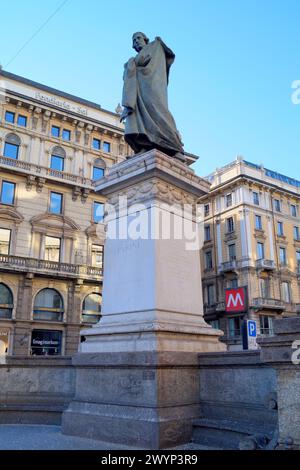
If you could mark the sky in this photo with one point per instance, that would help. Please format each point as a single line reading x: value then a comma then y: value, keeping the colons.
x: 230, y: 87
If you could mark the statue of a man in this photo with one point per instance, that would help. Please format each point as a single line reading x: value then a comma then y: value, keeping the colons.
x: 149, y: 123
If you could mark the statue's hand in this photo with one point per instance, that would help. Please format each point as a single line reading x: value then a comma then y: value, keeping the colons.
x: 126, y: 112
x: 143, y: 60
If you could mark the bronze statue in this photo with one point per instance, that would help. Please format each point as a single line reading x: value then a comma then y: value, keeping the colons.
x: 148, y: 121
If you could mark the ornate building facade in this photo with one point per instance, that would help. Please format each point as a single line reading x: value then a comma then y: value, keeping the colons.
x: 53, y: 146
x: 252, y: 240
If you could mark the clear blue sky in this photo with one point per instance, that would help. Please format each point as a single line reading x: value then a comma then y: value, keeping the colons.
x: 230, y: 86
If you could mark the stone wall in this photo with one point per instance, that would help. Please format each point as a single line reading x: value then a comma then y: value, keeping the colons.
x: 35, y: 390
x: 237, y: 386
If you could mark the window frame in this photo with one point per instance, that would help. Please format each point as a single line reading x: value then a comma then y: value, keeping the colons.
x: 22, y: 116
x: 59, y: 130
x: 94, y: 212
x: 61, y: 203
x: 14, y: 193
x: 12, y: 113
x: 9, y: 241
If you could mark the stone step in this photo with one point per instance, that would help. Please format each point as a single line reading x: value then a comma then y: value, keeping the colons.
x: 226, y: 434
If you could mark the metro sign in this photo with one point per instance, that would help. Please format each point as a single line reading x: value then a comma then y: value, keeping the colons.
x: 236, y: 300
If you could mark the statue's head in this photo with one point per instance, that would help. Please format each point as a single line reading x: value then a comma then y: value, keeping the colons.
x: 139, y: 40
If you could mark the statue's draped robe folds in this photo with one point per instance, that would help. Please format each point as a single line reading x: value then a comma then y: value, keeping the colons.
x: 150, y: 124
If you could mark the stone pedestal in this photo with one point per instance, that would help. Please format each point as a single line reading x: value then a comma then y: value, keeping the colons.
x: 137, y: 374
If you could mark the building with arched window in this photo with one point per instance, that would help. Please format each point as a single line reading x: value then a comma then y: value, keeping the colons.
x: 52, y: 146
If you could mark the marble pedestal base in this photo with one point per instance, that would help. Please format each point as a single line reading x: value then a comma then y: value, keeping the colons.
x: 137, y: 376
x: 145, y: 400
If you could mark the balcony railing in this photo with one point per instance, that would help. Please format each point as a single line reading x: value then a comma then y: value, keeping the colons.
x: 228, y: 266
x: 49, y: 267
x: 220, y: 307
x: 267, y: 264
x: 266, y: 303
x: 44, y: 172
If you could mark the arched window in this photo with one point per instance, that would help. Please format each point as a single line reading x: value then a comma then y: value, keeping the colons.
x: 91, y: 309
x: 48, y: 305
x: 12, y: 146
x: 58, y: 156
x: 98, y: 169
x: 6, y: 302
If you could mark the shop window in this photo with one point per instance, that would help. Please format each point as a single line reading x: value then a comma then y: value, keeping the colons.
x: 6, y: 302
x: 48, y: 306
x: 91, y: 309
x: 46, y: 343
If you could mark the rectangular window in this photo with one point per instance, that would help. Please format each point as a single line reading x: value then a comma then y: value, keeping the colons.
x: 11, y: 150
x: 277, y: 205
x: 57, y: 163
x: 97, y: 173
x: 282, y: 256
x: 55, y: 131
x: 298, y: 258
x: 265, y: 288
x: 286, y: 292
x: 207, y: 235
x: 46, y: 343
x: 293, y: 210
x: 208, y: 260
x: 66, y: 134
x: 234, y: 327
x: 206, y: 210
x: 98, y: 212
x: 52, y: 249
x: 96, y: 144
x: 228, y: 200
x: 296, y: 233
x: 97, y: 256
x: 210, y: 290
x: 280, y: 229
x: 215, y: 324
x: 260, y: 250
x: 255, y: 198
x: 106, y: 147
x: 230, y: 225
x: 5, y: 236
x: 232, y: 252
x: 266, y: 325
x: 56, y: 200
x: 258, y: 222
x: 22, y: 121
x: 9, y: 117
x: 7, y: 193
x: 233, y: 283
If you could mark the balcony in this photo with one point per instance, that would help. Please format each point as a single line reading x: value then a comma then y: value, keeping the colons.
x: 220, y: 307
x: 261, y: 303
x: 228, y: 266
x: 32, y: 169
x: 49, y: 268
x: 265, y: 264
x: 209, y: 308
